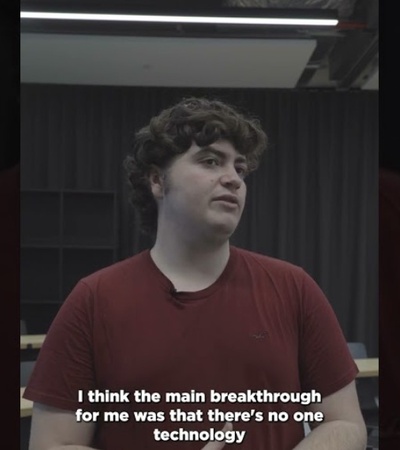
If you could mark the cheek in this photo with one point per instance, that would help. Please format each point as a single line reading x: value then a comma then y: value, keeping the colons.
x: 195, y: 188
x: 199, y: 184
x: 243, y: 192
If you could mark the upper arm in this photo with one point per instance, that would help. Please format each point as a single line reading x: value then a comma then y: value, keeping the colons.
x: 53, y: 427
x: 342, y: 405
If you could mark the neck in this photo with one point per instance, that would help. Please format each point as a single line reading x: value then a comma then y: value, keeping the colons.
x: 190, y: 264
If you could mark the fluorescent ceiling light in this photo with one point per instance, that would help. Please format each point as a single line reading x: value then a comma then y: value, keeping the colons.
x: 179, y: 19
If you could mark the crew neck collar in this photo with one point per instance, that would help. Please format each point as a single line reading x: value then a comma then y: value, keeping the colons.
x: 192, y: 295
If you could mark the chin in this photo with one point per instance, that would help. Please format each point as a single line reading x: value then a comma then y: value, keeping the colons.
x: 224, y: 229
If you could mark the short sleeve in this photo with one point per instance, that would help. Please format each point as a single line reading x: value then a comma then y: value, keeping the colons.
x: 326, y: 364
x: 65, y: 362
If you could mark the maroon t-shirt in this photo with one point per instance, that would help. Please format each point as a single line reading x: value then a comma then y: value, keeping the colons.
x: 263, y: 325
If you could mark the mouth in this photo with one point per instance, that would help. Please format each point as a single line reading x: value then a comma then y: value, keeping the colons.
x: 228, y: 199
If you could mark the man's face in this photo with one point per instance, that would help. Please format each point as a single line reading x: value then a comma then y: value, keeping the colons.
x: 203, y: 192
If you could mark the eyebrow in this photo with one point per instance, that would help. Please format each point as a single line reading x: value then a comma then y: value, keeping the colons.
x: 220, y: 154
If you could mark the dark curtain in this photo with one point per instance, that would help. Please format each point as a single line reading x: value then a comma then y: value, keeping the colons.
x: 313, y: 201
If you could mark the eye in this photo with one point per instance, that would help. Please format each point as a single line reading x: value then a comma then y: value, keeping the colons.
x: 211, y: 162
x: 242, y: 171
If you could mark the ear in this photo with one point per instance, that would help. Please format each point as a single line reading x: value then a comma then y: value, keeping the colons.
x: 156, y: 180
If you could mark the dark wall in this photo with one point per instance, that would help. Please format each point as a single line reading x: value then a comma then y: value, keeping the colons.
x: 312, y: 202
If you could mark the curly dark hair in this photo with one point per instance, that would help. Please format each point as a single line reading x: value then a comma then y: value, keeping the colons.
x: 173, y: 131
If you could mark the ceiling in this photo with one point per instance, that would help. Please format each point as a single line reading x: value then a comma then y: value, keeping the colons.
x: 187, y: 55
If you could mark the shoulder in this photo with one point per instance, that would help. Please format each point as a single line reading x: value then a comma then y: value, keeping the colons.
x: 275, y: 266
x: 289, y: 279
x: 95, y: 295
x: 118, y: 272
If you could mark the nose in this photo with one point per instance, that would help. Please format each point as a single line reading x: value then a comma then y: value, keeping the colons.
x: 231, y: 179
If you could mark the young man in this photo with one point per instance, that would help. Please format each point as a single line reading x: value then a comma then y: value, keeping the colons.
x: 223, y: 327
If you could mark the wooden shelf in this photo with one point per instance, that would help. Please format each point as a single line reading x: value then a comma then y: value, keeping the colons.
x: 40, y: 245
x: 65, y: 235
x: 88, y: 191
x: 88, y: 247
x: 35, y: 301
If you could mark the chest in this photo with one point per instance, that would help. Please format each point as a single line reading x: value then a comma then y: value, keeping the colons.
x: 229, y: 339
